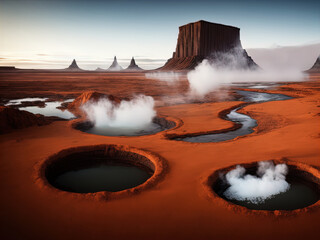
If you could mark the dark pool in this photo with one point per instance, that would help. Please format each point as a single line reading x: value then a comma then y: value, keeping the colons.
x: 103, y: 177
x: 91, y: 172
x: 300, y: 194
x: 303, y: 192
x: 125, y: 131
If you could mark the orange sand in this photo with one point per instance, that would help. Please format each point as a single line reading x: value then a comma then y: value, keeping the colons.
x: 178, y: 206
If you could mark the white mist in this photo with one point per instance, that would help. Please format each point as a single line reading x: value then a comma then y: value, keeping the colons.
x: 270, y: 181
x: 228, y: 68
x: 124, y: 118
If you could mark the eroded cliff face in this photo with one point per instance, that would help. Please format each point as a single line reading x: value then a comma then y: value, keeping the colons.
x: 200, y: 40
x: 184, y: 63
x: 204, y: 38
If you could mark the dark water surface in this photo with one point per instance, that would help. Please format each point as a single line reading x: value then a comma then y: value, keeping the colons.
x: 50, y: 109
x: 300, y: 194
x: 151, y: 128
x: 247, y: 123
x: 102, y: 177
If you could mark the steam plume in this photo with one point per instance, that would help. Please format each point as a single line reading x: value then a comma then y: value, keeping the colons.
x: 270, y: 180
x: 230, y: 68
x: 136, y: 113
x: 168, y: 77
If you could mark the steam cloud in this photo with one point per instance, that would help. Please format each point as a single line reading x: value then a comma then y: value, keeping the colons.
x: 136, y: 113
x: 301, y: 57
x: 168, y: 77
x: 230, y: 68
x: 270, y: 180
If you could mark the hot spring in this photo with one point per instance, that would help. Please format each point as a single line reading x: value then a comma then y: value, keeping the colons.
x: 99, y: 168
x: 136, y: 117
x: 267, y: 186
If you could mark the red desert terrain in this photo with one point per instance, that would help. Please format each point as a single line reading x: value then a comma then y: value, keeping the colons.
x: 176, y: 202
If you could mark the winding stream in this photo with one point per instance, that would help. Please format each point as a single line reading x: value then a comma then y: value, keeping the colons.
x: 247, y: 123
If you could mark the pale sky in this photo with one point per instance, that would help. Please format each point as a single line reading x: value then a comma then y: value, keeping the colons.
x: 49, y: 34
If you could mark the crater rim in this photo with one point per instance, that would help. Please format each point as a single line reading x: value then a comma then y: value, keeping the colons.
x: 147, y: 159
x: 308, y: 173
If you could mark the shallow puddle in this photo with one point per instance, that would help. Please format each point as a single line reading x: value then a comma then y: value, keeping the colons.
x: 20, y: 100
x: 50, y: 109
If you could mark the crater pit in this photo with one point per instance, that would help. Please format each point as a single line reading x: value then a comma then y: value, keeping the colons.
x: 303, y: 191
x: 110, y: 169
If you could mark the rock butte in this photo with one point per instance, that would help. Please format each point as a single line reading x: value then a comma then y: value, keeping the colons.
x: 133, y: 66
x: 115, y: 65
x: 316, y: 66
x: 73, y: 66
x: 200, y: 40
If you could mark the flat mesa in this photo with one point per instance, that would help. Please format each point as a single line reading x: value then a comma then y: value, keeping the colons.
x: 202, y: 39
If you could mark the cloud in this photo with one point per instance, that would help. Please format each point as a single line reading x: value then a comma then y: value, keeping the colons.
x: 286, y: 57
